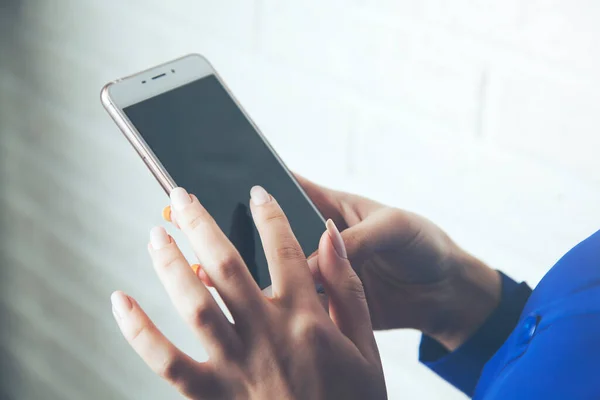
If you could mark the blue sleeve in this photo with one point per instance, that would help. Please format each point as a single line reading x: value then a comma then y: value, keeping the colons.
x: 463, y: 366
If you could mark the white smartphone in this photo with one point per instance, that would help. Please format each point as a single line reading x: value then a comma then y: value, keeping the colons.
x: 191, y: 132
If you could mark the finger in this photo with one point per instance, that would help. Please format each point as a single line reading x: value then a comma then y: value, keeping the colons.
x: 347, y: 302
x: 200, y: 273
x: 166, y: 360
x: 219, y: 258
x: 326, y: 200
x: 287, y: 264
x: 190, y: 297
x: 169, y: 215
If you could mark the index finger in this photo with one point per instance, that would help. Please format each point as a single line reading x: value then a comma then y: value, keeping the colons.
x: 218, y: 257
x: 289, y: 271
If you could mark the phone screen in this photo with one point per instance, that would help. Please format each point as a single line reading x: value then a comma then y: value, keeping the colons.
x: 210, y: 148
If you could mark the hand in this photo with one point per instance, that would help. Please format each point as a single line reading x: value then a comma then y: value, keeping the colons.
x: 284, y: 347
x: 414, y: 275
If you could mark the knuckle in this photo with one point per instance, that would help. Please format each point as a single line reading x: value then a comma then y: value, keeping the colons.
x: 355, y: 286
x: 203, y: 316
x: 172, y: 369
x: 274, y: 215
x: 309, y: 330
x: 354, y: 242
x: 289, y: 250
x: 228, y: 266
x: 169, y: 261
x: 138, y: 333
x: 194, y: 221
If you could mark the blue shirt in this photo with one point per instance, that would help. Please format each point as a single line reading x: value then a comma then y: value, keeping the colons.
x: 543, y: 344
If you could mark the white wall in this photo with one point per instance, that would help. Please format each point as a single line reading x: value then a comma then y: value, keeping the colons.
x: 481, y: 115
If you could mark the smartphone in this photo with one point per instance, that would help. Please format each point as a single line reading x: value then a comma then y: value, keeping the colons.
x: 191, y: 132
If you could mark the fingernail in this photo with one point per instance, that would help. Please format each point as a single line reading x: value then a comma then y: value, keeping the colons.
x: 336, y: 239
x: 195, y: 268
x: 259, y: 196
x: 121, y: 304
x: 166, y: 213
x: 159, y: 237
x: 180, y: 198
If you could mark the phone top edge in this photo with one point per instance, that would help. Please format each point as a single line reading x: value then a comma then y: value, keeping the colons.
x: 161, y: 65
x: 158, y: 79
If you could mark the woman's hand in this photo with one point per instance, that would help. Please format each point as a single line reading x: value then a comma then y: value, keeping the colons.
x: 414, y: 275
x: 284, y: 347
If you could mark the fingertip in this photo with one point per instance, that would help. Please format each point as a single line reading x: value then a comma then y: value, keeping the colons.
x: 180, y: 198
x: 159, y: 237
x: 336, y: 239
x: 116, y: 295
x: 259, y: 196
x: 329, y: 263
x: 121, y: 304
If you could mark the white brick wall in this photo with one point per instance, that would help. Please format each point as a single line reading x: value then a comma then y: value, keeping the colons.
x: 480, y: 115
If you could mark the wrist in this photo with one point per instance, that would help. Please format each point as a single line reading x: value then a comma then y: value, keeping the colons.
x: 471, y: 293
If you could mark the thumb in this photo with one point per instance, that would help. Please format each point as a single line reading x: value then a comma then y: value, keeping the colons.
x: 347, y: 302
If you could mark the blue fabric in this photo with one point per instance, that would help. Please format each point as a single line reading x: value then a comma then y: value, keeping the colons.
x: 539, y: 345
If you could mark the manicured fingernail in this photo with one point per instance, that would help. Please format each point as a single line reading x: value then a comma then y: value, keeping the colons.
x: 121, y: 304
x: 336, y: 239
x: 195, y: 268
x: 180, y: 198
x: 166, y: 213
x: 259, y: 195
x: 159, y: 237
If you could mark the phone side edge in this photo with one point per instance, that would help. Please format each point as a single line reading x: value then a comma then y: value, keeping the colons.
x: 136, y: 140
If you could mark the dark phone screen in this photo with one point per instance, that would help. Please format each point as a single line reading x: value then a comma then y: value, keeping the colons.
x: 211, y: 149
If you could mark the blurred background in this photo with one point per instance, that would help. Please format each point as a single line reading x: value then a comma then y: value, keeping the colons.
x: 481, y: 115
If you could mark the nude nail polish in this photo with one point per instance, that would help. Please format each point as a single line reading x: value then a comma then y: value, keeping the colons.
x: 121, y: 304
x: 336, y: 239
x: 159, y: 237
x: 180, y: 198
x: 259, y: 195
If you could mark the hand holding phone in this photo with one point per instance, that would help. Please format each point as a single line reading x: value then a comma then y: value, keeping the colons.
x: 286, y: 347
